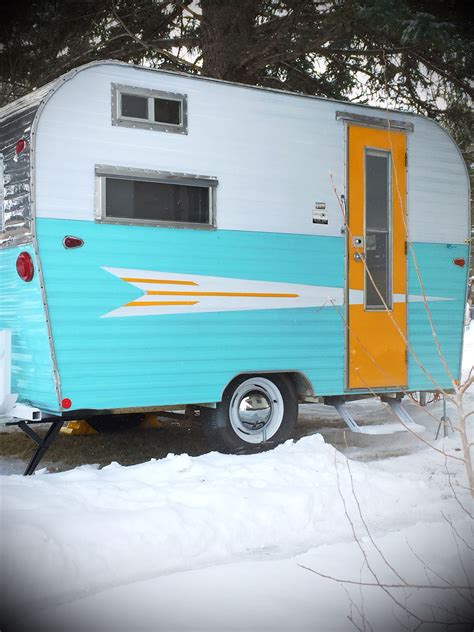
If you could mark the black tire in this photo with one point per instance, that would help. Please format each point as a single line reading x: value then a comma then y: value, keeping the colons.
x: 114, y: 423
x: 227, y: 432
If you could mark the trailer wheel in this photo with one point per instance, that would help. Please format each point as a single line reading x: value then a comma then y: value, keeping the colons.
x: 255, y: 413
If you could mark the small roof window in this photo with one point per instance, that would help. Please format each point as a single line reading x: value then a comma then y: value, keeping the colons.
x: 149, y: 109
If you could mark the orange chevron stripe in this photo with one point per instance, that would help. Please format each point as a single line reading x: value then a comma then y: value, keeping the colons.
x: 161, y: 281
x: 147, y: 303
x: 239, y: 294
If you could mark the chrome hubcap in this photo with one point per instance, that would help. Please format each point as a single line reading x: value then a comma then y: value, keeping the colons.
x: 256, y: 410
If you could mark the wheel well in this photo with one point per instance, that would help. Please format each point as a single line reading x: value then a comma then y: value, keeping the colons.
x: 301, y: 383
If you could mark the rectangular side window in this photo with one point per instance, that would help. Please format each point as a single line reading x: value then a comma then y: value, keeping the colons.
x: 149, y: 109
x: 137, y: 196
x: 2, y: 194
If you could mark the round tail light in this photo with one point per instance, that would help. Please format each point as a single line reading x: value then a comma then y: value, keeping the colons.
x: 25, y: 267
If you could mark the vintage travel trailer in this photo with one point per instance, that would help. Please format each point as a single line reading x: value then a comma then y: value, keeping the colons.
x: 171, y: 240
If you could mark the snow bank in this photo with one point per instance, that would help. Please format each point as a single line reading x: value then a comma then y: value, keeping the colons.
x: 115, y: 548
x: 279, y: 595
x: 72, y: 534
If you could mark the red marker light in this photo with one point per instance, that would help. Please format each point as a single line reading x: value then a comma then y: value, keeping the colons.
x: 459, y: 262
x: 20, y: 146
x: 25, y: 267
x: 72, y: 242
x: 66, y: 403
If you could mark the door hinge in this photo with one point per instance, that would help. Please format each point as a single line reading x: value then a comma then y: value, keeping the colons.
x: 406, y: 247
x: 406, y: 159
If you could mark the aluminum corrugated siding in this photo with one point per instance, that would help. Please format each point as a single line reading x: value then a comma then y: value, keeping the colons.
x: 440, y: 278
x: 21, y: 310
x: 185, y: 358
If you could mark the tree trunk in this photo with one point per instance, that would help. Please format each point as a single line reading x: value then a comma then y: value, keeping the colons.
x: 227, y: 31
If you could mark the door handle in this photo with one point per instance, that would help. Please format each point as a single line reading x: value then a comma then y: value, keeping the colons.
x: 359, y: 256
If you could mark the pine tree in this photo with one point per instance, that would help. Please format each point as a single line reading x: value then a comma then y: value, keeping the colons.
x: 409, y: 54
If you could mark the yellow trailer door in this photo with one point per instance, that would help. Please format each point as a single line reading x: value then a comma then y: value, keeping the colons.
x: 376, y: 258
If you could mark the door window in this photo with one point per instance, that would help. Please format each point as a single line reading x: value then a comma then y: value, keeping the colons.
x: 377, y: 230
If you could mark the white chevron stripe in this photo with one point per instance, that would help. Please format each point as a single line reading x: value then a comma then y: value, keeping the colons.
x: 356, y: 297
x: 170, y: 293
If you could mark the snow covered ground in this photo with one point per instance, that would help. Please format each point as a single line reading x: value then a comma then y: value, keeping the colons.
x: 221, y: 542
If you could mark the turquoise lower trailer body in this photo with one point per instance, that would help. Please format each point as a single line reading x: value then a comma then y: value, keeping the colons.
x: 151, y: 316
